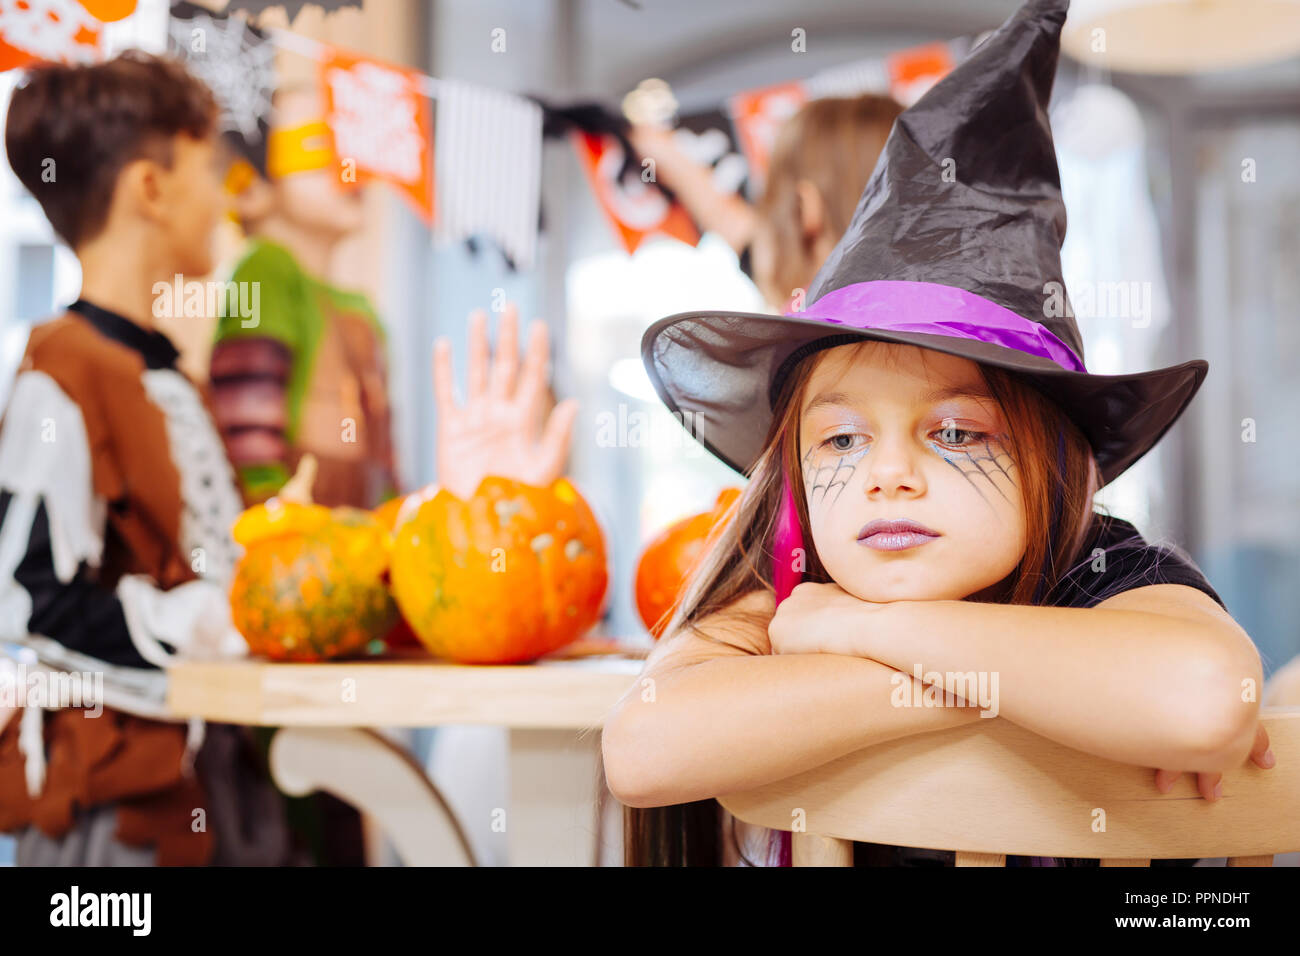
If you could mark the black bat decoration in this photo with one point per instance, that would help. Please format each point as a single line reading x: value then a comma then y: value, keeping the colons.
x: 291, y: 7
x: 596, y: 118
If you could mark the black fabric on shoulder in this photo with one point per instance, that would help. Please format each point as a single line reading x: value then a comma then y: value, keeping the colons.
x: 154, y: 347
x: 1127, y: 561
x: 746, y: 260
x: 82, y: 615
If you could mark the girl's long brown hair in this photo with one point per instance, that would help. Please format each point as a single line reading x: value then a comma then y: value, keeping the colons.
x: 1058, y: 479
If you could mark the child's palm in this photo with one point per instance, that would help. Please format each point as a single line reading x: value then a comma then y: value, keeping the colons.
x: 499, y: 429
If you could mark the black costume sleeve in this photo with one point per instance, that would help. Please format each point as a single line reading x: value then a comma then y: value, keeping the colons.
x: 1129, y: 562
x: 746, y: 261
x: 1158, y: 565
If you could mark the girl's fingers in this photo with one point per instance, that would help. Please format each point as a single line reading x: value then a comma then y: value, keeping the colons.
x: 1260, y: 752
x: 1165, y: 779
x: 1210, y: 785
x: 478, y: 354
x: 444, y: 382
x: 505, y: 361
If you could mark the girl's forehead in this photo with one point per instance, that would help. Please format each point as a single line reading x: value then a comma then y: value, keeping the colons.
x: 899, y: 372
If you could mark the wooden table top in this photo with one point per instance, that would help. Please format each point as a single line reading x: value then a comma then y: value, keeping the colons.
x: 572, y: 690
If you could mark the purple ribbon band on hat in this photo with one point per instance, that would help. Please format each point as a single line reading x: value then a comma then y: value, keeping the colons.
x: 933, y: 309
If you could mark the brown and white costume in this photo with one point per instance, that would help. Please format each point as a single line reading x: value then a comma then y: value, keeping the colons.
x: 116, y: 503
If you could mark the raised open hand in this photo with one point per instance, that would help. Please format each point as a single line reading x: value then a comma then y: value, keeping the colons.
x: 498, y: 430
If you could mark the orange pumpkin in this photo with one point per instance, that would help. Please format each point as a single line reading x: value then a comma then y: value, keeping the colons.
x: 668, y: 560
x: 514, y: 573
x: 311, y: 584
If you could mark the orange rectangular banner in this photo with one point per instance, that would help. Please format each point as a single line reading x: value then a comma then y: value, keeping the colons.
x: 380, y: 122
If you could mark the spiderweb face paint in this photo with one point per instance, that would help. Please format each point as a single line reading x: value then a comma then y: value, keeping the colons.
x: 826, y: 473
x: 985, y: 464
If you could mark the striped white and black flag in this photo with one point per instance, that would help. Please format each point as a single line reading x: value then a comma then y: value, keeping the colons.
x: 488, y: 147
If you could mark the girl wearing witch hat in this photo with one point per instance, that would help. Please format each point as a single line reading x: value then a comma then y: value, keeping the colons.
x: 923, y: 444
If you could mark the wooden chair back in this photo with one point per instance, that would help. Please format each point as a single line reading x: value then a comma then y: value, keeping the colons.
x: 992, y: 789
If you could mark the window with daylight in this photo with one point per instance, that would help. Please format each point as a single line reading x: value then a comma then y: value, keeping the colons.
x: 628, y: 447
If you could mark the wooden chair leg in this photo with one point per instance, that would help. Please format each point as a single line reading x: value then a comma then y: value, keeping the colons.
x: 380, y: 779
x: 979, y: 859
x: 1124, y: 861
x: 809, y: 849
x: 1250, y: 861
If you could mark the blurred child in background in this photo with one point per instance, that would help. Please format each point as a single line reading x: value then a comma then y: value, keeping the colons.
x: 822, y: 158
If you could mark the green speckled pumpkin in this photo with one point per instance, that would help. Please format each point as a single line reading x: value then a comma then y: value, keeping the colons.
x: 311, y: 584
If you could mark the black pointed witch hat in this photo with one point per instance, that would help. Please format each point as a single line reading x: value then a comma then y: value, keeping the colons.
x: 954, y: 246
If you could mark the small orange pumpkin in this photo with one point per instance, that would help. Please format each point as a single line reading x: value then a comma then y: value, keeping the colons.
x: 514, y: 573
x: 311, y: 584
x: 668, y: 560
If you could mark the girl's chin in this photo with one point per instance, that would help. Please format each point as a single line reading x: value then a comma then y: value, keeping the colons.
x: 916, y: 587
x: 884, y: 595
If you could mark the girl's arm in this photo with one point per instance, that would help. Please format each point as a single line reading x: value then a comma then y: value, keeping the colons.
x: 716, y: 714
x: 1158, y: 676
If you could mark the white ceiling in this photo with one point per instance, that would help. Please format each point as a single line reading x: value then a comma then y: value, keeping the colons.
x: 707, y: 49
x: 704, y: 48
x: 691, y: 42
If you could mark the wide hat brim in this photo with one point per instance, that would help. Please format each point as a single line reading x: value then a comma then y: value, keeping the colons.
x: 717, y: 370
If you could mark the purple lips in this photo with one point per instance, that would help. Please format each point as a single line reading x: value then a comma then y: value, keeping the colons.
x: 895, y: 535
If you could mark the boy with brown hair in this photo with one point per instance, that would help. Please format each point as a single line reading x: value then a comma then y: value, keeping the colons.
x: 116, y: 496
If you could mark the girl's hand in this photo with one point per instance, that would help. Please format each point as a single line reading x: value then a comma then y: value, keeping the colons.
x: 822, y: 619
x: 1211, y: 784
x: 499, y: 430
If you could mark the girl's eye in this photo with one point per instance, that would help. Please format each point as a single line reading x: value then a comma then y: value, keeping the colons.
x: 831, y: 442
x: 953, y: 435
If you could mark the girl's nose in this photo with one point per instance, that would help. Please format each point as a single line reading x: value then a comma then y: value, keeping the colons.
x: 893, y: 467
